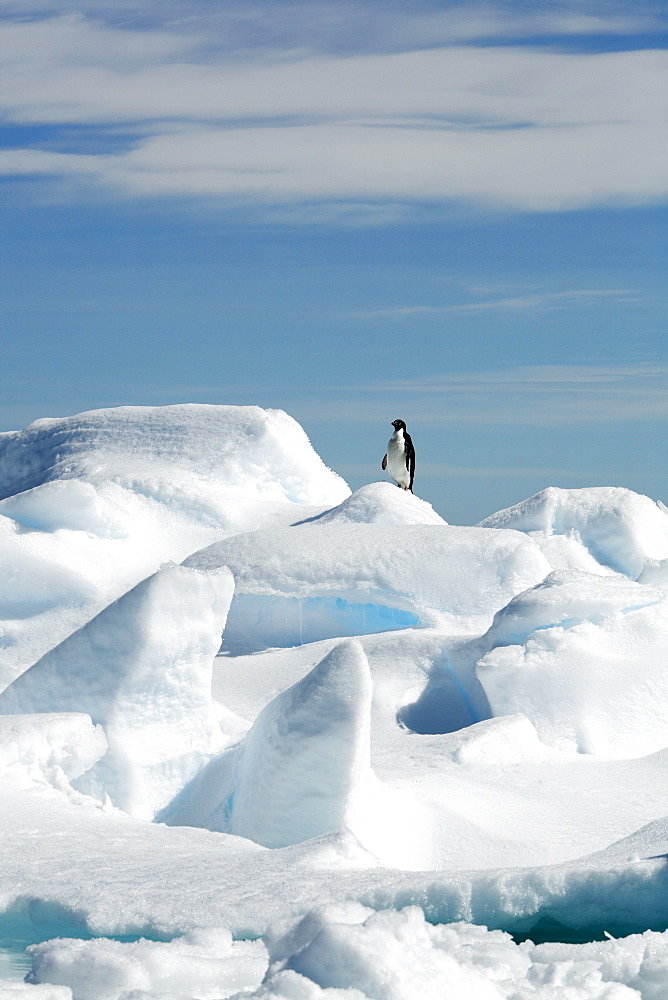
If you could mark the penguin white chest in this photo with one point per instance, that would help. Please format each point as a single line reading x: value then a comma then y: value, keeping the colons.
x: 396, y: 459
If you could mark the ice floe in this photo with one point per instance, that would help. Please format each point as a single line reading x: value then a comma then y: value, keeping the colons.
x: 263, y: 737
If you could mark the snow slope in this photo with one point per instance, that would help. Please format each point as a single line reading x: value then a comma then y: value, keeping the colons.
x: 298, y: 584
x: 310, y: 743
x: 173, y: 452
x: 97, y: 502
x: 142, y: 669
x: 619, y: 528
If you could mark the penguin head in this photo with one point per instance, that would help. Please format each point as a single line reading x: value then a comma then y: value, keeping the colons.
x: 399, y: 425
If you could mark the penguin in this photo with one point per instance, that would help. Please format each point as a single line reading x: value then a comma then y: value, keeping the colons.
x: 400, y: 458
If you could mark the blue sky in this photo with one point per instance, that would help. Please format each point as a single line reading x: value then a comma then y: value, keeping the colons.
x: 451, y: 213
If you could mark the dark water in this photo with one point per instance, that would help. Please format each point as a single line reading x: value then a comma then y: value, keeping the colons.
x: 551, y: 930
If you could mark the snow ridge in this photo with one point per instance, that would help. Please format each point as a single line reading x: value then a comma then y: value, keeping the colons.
x: 314, y: 744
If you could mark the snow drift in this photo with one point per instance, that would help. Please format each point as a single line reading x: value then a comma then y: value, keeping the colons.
x: 322, y: 580
x: 621, y: 529
x: 411, y: 729
x: 172, y: 451
x: 298, y: 771
x: 585, y: 658
x: 142, y: 669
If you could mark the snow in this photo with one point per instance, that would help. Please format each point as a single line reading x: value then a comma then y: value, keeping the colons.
x: 261, y: 737
x: 10, y: 990
x: 142, y: 668
x: 297, y: 772
x: 376, y: 503
x: 50, y: 748
x: 95, y: 503
x: 205, y: 963
x: 591, y: 669
x: 350, y: 952
x: 297, y: 584
x: 620, y: 529
x: 173, y: 452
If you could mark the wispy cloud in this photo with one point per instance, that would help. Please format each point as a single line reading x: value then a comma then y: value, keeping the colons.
x: 283, y: 124
x: 534, y: 301
x: 354, y: 25
x: 531, y: 396
x: 578, y: 378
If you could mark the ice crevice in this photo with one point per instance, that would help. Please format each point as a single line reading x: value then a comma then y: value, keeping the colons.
x: 259, y: 622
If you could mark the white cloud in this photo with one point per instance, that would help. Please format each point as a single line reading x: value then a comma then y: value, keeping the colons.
x: 466, y: 24
x: 72, y: 40
x: 511, y: 128
x: 72, y: 71
x: 528, y: 169
x: 353, y: 25
x: 542, y: 395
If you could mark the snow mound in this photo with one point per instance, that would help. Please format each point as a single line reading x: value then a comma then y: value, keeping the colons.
x: 584, y: 658
x: 142, y: 668
x: 350, y: 952
x: 566, y: 598
x: 621, y: 529
x: 245, y: 450
x: 11, y: 990
x: 203, y: 963
x: 297, y: 772
x: 66, y: 503
x: 317, y: 581
x: 50, y: 749
x: 347, y: 951
x: 380, y: 503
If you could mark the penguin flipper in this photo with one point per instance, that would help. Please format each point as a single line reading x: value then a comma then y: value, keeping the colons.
x: 384, y: 465
x: 410, y: 459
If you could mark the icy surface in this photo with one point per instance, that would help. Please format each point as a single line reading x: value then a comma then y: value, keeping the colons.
x: 97, y: 502
x: 142, y: 669
x: 457, y: 577
x: 298, y: 772
x: 620, y: 529
x: 415, y: 738
x: 585, y: 659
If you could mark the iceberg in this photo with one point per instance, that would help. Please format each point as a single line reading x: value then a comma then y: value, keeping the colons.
x: 620, y: 529
x: 95, y: 503
x: 298, y: 771
x: 263, y: 737
x: 141, y: 669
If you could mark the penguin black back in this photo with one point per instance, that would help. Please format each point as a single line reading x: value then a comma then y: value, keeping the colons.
x: 400, y: 457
